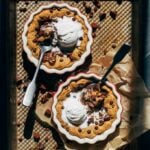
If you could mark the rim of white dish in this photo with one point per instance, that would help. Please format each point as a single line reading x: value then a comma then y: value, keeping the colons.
x: 75, y: 64
x: 97, y: 138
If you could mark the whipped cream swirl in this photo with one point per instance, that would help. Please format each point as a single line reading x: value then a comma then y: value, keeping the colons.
x: 75, y: 111
x: 68, y: 31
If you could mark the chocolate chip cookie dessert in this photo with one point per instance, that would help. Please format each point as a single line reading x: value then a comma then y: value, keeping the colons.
x: 65, y: 30
x: 86, y: 109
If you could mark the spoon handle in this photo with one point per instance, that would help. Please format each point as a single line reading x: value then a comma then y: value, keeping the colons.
x: 125, y: 48
x: 30, y: 92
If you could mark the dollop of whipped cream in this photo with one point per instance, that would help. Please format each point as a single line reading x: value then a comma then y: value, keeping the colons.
x: 68, y: 31
x: 75, y: 111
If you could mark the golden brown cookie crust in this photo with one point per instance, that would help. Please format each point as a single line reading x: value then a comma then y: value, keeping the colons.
x: 61, y: 62
x: 110, y: 104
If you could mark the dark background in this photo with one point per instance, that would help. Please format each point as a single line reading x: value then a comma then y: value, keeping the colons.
x: 141, y: 27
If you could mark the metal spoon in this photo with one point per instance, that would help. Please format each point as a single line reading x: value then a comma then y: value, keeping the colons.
x: 30, y: 92
x: 124, y: 49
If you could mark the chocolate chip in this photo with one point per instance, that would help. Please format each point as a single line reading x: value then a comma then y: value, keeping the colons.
x: 77, y: 1
x: 84, y: 3
x: 41, y: 146
x: 46, y: 139
x: 62, y: 107
x: 98, y: 5
x: 113, y: 14
x: 101, y: 122
x: 119, y: 2
x: 18, y: 124
x: 20, y: 139
x: 96, y: 127
x: 27, y: 3
x: 114, y: 46
x: 96, y: 123
x: 51, y: 11
x: 19, y: 80
x: 91, y: 15
x: 91, y: 120
x: 47, y: 113
x: 87, y: 8
x: 80, y: 130
x: 68, y: 12
x: 102, y: 16
x: 18, y: 102
x: 36, y: 1
x: 95, y: 9
x: 106, y: 118
x: 94, y: 35
x: 88, y: 131
x: 36, y: 136
x: 23, y: 9
x: 94, y: 26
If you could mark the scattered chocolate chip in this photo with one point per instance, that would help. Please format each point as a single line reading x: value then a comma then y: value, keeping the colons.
x: 94, y: 26
x: 18, y: 102
x: 18, y: 124
x: 62, y: 107
x: 106, y: 118
x: 101, y: 122
x: 87, y: 8
x: 102, y: 16
x: 113, y: 14
x: 20, y: 139
x: 27, y: 3
x: 80, y: 130
x: 91, y: 120
x: 98, y: 5
x: 47, y: 113
x: 119, y: 2
x: 95, y: 9
x: 41, y: 146
x: 36, y: 1
x: 68, y: 12
x: 36, y: 136
x: 77, y: 1
x: 96, y: 123
x: 22, y: 9
x: 19, y: 80
x: 114, y: 46
x: 96, y: 127
x: 91, y: 15
x: 46, y: 139
x: 84, y: 3
x: 88, y: 131
x: 94, y: 35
